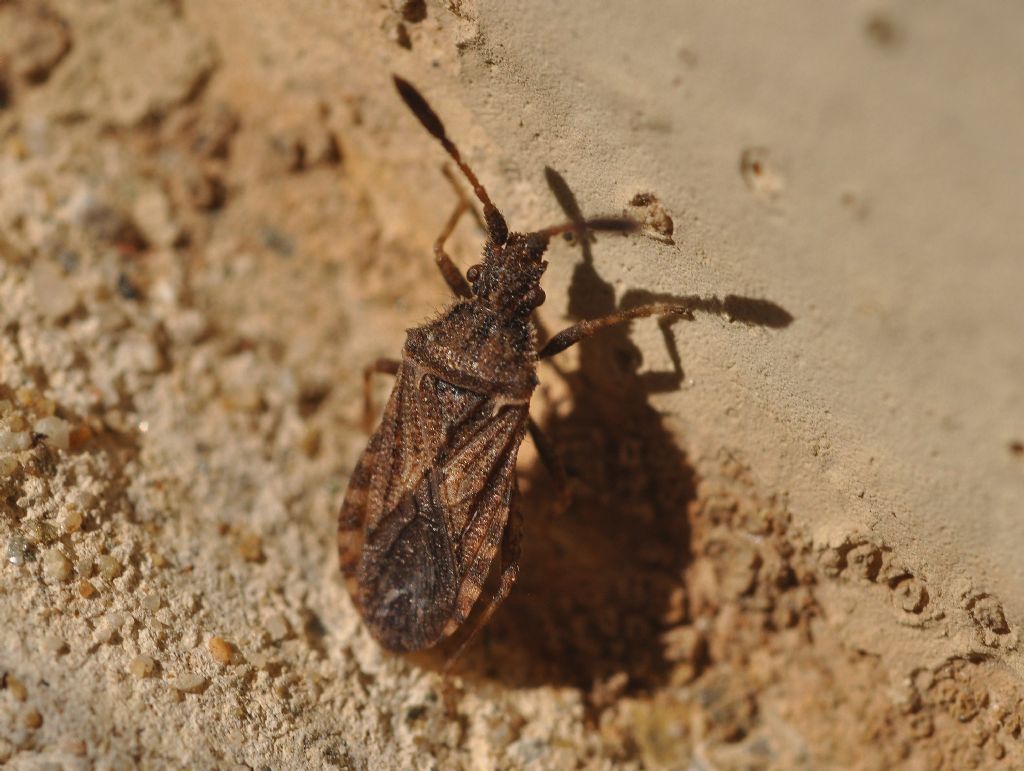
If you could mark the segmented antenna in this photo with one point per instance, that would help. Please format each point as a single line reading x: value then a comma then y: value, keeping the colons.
x: 496, y: 226
x: 613, y: 224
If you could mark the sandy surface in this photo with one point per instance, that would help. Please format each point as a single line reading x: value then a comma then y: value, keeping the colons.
x: 791, y: 545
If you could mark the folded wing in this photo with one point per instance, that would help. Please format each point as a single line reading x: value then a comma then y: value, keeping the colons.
x: 435, y: 487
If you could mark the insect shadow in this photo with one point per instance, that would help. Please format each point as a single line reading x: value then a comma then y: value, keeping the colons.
x: 601, y: 581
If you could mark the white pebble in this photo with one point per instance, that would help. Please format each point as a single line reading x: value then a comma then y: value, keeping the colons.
x: 187, y: 326
x: 55, y: 296
x: 53, y: 645
x: 152, y: 211
x: 56, y: 431
x: 108, y: 567
x: 141, y: 666
x: 108, y: 627
x: 56, y: 566
x: 71, y: 522
x: 137, y: 353
x: 189, y: 683
x: 276, y: 626
x: 16, y: 550
x: 14, y: 441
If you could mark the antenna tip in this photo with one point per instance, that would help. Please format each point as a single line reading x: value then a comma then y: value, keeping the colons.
x: 414, y: 101
x: 402, y: 85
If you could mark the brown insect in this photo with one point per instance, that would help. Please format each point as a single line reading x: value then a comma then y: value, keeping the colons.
x: 433, y: 499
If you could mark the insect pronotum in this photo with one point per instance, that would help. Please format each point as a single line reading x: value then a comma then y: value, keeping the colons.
x: 433, y: 499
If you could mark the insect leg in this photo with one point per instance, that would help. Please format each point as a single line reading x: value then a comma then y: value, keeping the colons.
x: 584, y: 329
x: 553, y: 463
x: 510, y: 551
x: 383, y: 366
x: 451, y: 273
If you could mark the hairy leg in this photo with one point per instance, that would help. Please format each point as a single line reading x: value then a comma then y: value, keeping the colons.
x: 458, y: 283
x: 584, y: 329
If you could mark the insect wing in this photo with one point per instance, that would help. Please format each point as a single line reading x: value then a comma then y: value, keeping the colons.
x: 477, y: 484
x: 394, y: 452
x: 427, y: 507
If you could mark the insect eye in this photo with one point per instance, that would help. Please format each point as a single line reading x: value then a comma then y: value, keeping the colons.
x: 473, y: 273
x: 535, y: 297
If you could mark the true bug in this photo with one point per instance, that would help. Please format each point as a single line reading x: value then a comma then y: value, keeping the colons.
x: 433, y: 498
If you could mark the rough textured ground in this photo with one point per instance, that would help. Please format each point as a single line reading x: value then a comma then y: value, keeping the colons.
x: 211, y: 216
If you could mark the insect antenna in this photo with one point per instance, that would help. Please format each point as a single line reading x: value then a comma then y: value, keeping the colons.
x: 496, y: 226
x: 611, y: 224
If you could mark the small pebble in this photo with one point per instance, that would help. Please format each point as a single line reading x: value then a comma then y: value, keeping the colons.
x: 86, y: 565
x: 86, y: 588
x: 71, y: 522
x: 14, y: 441
x: 654, y: 215
x: 108, y: 567
x: 222, y: 651
x: 79, y: 437
x: 187, y: 327
x: 54, y: 294
x: 251, y: 547
x: 16, y: 687
x: 277, y: 627
x: 126, y: 288
x: 36, y: 402
x: 37, y: 532
x: 71, y: 746
x: 109, y: 627
x: 141, y: 666
x: 53, y: 645
x: 33, y: 719
x: 246, y: 398
x: 56, y: 431
x: 259, y: 660
x: 17, y: 550
x: 151, y: 602
x: 152, y: 212
x: 189, y: 683
x: 310, y: 443
x: 138, y: 353
x: 56, y: 566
